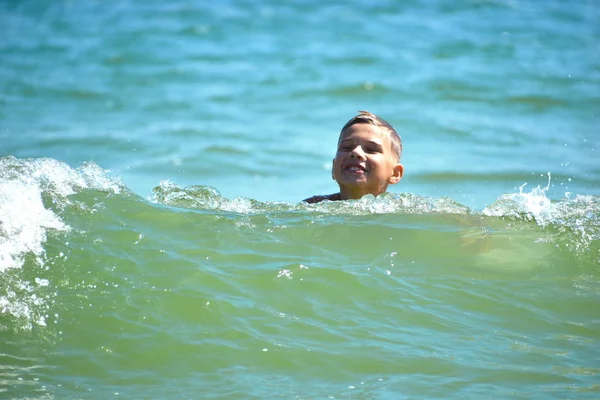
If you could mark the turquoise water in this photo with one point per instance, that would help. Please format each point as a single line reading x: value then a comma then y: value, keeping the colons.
x: 152, y: 161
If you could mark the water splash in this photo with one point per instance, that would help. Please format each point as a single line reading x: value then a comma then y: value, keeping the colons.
x: 576, y: 219
x: 32, y: 194
x: 29, y: 190
x: 208, y: 198
x: 534, y: 205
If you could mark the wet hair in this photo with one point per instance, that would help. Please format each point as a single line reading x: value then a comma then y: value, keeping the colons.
x: 365, y: 117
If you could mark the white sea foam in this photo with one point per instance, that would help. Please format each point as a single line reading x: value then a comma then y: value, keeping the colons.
x: 24, y: 219
x: 25, y: 222
x: 534, y: 204
x: 206, y: 197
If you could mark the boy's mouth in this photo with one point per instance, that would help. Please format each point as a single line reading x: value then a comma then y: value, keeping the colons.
x: 355, y: 169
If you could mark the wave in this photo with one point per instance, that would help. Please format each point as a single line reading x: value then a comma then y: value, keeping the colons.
x: 59, y: 223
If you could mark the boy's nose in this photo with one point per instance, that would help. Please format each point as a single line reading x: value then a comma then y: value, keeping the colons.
x: 358, y: 152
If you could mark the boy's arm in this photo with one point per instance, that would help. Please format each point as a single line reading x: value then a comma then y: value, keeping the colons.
x: 320, y: 198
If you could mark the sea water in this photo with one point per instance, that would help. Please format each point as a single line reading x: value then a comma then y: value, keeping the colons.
x: 153, y: 159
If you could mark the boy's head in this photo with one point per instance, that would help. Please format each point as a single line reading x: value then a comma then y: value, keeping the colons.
x: 368, y: 157
x: 365, y: 117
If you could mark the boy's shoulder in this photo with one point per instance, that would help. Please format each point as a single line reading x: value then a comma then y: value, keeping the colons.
x: 320, y: 198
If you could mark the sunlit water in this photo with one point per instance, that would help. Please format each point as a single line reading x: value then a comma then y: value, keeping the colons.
x: 152, y: 161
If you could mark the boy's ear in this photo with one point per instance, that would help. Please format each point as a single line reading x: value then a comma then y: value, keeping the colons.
x: 332, y: 165
x: 396, y: 174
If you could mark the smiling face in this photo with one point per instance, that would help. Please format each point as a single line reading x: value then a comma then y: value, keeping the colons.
x: 365, y: 161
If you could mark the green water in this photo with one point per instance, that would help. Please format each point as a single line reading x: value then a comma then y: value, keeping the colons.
x: 197, y: 296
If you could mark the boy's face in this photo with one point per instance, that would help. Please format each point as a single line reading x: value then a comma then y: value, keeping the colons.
x: 365, y: 161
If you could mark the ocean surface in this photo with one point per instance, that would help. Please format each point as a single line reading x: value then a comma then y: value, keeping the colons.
x: 153, y: 159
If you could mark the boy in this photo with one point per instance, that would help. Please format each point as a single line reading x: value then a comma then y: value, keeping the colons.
x: 367, y: 159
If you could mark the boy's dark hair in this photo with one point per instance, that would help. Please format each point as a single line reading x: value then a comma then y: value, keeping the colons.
x: 365, y: 117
